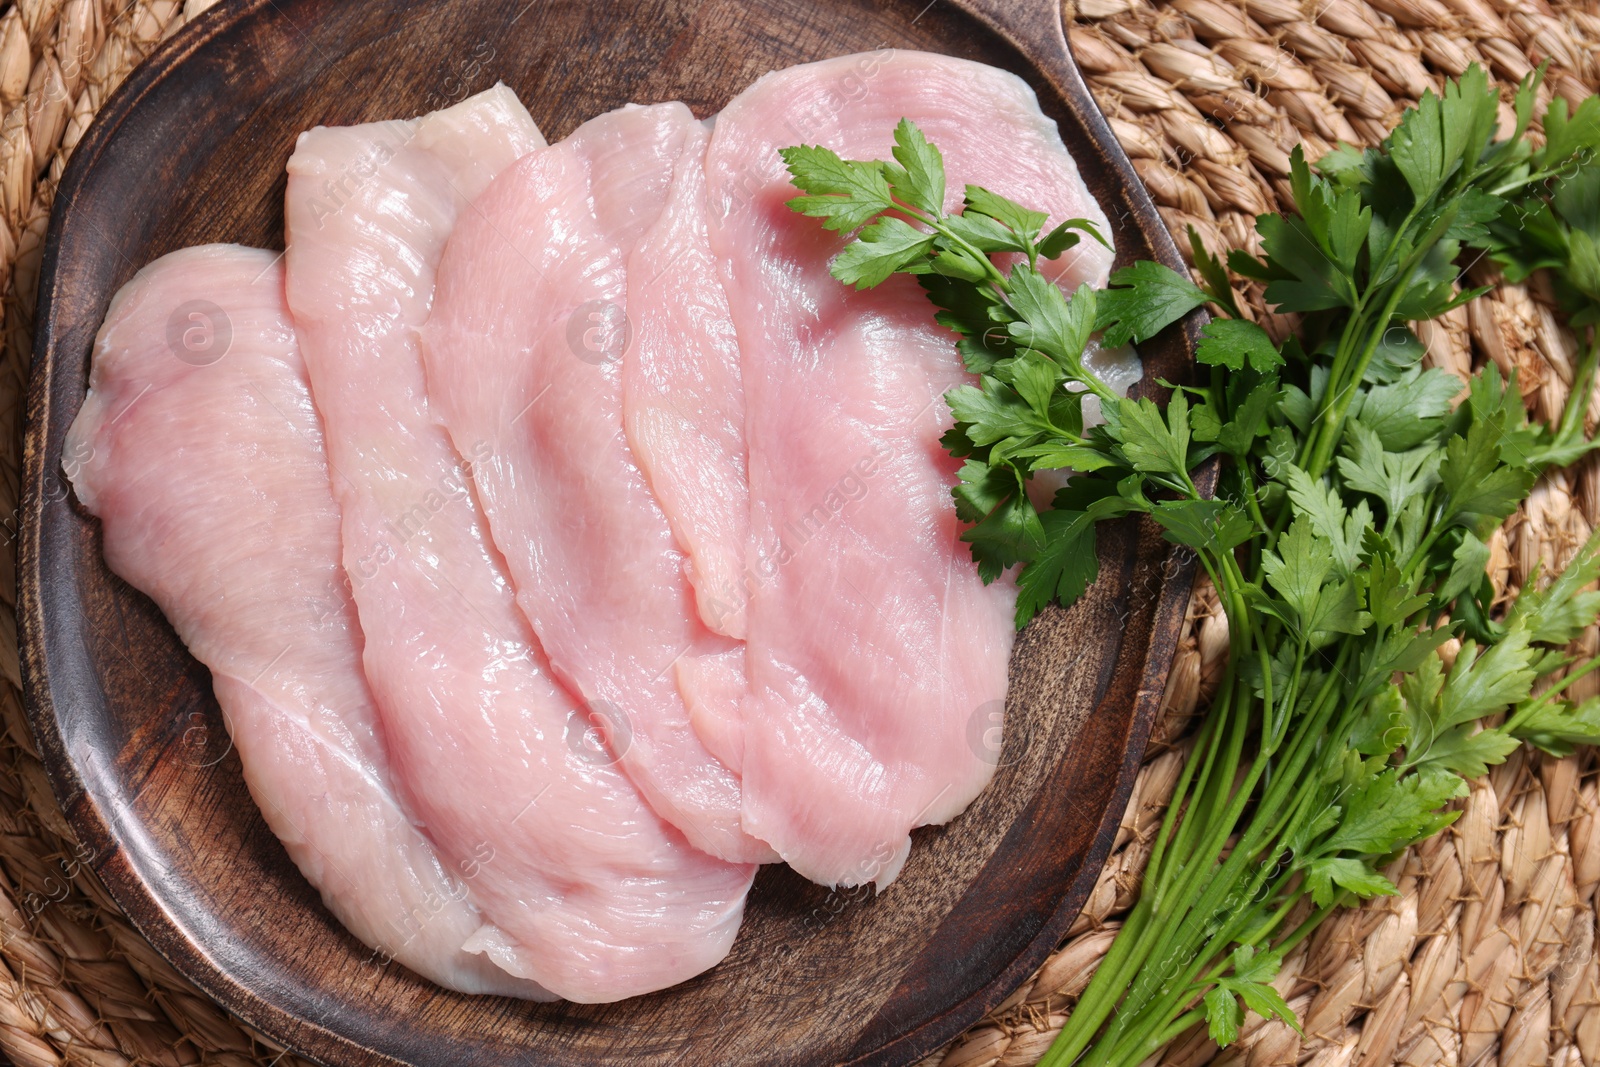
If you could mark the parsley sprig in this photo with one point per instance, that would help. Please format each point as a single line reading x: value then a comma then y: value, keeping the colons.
x: 1347, y: 534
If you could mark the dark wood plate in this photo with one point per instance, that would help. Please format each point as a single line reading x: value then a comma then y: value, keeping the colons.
x: 191, y: 149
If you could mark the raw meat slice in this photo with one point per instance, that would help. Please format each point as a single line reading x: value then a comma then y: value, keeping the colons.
x: 583, y: 887
x: 876, y: 658
x: 712, y: 687
x: 201, y: 453
x: 522, y: 353
x: 682, y: 401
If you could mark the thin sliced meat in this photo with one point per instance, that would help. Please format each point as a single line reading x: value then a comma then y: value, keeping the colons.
x: 583, y: 887
x: 682, y: 401
x: 875, y: 656
x: 522, y: 352
x: 712, y: 687
x: 200, y: 451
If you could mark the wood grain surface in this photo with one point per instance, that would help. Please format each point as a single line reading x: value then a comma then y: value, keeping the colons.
x: 125, y: 718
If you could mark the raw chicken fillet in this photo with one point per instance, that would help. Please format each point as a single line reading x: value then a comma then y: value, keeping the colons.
x: 523, y: 359
x: 201, y: 453
x: 876, y: 659
x: 583, y: 887
x: 682, y: 400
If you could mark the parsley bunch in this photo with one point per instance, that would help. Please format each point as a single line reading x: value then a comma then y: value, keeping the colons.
x: 1347, y: 533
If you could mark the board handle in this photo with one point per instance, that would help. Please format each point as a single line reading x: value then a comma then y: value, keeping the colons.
x: 1036, y: 29
x: 1034, y: 26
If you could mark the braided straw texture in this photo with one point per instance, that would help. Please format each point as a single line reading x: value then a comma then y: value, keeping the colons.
x: 1488, y: 953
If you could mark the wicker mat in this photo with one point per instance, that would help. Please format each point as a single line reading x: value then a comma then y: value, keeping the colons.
x: 1489, y: 951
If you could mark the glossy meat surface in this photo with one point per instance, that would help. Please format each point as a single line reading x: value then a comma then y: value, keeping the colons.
x: 200, y: 451
x: 682, y: 398
x: 876, y: 658
x: 583, y: 887
x: 524, y: 356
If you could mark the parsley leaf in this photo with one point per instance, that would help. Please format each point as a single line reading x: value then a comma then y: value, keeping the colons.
x: 919, y: 179
x: 1386, y: 812
x: 1479, y: 490
x: 1216, y: 525
x: 1066, y: 567
x: 1018, y: 219
x: 1411, y: 410
x: 1299, y: 568
x: 886, y: 246
x: 1559, y: 728
x: 1049, y: 322
x: 1339, y: 527
x: 984, y: 233
x: 1558, y: 613
x: 1249, y: 983
x: 1311, y: 280
x: 1482, y: 684
x: 1006, y: 529
x: 1250, y: 419
x: 1466, y: 568
x: 1232, y: 343
x: 1223, y: 1015
x: 1145, y: 299
x: 1066, y: 235
x: 1346, y: 873
x: 1466, y: 751
x: 1153, y: 443
x: 1392, y: 477
x: 845, y: 195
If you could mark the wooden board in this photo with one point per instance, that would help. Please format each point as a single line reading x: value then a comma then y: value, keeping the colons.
x: 191, y: 149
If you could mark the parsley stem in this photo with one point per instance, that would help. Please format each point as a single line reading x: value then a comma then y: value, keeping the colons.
x: 1313, y: 726
x: 1543, y: 700
x: 1236, y: 884
x: 1331, y: 425
x: 1206, y: 743
x: 1214, y: 810
x: 1179, y: 1025
x: 1175, y: 995
x: 1253, y: 497
x: 1518, y: 184
x: 1582, y: 394
x: 996, y: 278
x: 1140, y: 936
x: 1309, y: 926
x: 1266, y: 928
x: 1211, y: 795
x: 1420, y: 556
x: 1242, y: 856
x: 1086, y: 378
x: 1201, y: 876
x: 1134, y: 944
x: 1341, y: 387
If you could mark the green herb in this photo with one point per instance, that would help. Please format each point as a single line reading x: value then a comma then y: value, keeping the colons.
x: 1346, y: 536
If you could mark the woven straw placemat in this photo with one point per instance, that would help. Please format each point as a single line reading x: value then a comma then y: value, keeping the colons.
x: 1489, y: 952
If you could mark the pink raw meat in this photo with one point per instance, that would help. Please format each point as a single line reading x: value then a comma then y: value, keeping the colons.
x: 876, y: 658
x: 583, y: 887
x: 201, y: 453
x: 523, y: 351
x: 682, y: 401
